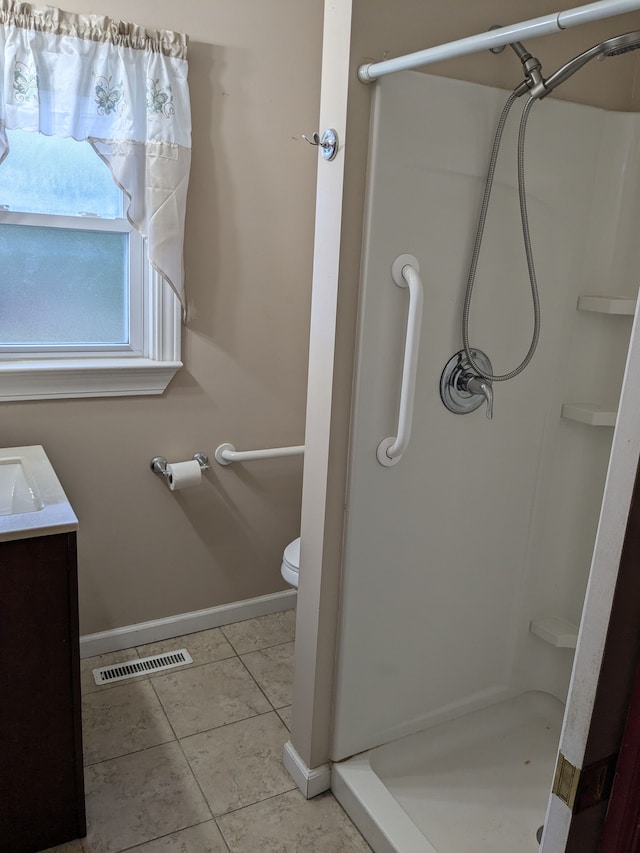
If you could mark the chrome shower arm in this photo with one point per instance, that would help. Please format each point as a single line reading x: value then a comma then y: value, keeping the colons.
x: 533, y: 78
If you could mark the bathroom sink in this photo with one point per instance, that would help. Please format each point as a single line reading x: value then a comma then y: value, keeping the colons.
x: 17, y: 493
x: 32, y: 501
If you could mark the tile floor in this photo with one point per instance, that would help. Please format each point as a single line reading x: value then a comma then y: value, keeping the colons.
x: 190, y: 760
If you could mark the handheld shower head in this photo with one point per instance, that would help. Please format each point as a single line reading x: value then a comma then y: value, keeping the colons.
x: 621, y: 44
x: 611, y: 47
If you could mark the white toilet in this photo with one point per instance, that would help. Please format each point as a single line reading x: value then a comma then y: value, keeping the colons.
x: 290, y: 569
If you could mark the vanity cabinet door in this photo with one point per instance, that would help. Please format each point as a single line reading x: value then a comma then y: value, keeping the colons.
x: 41, y: 781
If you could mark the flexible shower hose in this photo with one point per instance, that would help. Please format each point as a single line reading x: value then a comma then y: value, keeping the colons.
x: 527, y: 244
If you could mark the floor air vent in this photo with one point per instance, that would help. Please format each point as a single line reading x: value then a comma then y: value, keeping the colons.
x: 141, y: 666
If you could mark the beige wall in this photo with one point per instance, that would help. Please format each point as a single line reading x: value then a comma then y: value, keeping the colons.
x: 381, y: 29
x: 146, y: 553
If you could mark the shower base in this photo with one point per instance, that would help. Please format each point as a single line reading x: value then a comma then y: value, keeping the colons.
x: 480, y: 782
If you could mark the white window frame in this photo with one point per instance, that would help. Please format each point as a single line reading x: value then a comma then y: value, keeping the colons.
x: 144, y: 367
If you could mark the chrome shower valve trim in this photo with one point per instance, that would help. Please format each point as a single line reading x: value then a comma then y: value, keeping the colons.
x: 461, y: 389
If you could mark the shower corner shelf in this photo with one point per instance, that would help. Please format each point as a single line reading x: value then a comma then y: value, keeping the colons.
x: 553, y: 629
x: 622, y: 305
x: 589, y: 413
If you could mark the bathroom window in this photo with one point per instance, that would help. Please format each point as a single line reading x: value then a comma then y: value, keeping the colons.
x: 72, y: 268
x: 76, y: 287
x: 95, y: 152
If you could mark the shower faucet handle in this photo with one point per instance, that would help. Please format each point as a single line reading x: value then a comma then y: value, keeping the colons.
x: 463, y: 389
x: 482, y: 387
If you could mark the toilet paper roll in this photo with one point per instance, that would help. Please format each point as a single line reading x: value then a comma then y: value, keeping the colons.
x: 182, y: 475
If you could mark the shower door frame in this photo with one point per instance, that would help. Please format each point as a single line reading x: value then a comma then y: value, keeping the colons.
x: 605, y: 657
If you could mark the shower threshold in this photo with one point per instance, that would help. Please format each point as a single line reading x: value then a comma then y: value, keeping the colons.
x: 480, y: 782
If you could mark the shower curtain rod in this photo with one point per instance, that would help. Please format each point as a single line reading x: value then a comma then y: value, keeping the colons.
x: 497, y: 38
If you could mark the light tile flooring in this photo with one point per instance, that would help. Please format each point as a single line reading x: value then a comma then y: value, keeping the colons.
x: 190, y: 760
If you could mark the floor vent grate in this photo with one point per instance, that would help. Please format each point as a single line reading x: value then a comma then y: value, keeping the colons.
x: 141, y: 666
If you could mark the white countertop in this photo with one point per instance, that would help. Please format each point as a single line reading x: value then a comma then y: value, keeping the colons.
x: 55, y: 514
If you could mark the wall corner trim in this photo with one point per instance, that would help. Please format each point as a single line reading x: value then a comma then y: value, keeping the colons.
x: 185, y: 623
x: 311, y: 781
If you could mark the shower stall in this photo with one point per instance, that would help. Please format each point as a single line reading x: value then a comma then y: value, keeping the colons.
x: 472, y: 570
x: 465, y: 565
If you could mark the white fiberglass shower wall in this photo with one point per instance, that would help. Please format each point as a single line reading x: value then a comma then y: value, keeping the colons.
x: 465, y: 565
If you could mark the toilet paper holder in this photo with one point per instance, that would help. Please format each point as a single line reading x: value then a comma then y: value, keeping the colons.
x: 159, y: 464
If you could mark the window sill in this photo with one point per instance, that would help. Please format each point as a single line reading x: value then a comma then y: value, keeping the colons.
x: 55, y: 379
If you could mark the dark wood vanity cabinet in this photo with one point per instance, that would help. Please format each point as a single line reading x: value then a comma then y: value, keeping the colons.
x: 41, y: 777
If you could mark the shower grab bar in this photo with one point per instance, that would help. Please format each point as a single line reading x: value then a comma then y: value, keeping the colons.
x: 497, y: 38
x: 405, y: 271
x: 226, y: 453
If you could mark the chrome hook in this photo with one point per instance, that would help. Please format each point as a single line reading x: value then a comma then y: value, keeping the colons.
x: 328, y: 142
x: 315, y: 139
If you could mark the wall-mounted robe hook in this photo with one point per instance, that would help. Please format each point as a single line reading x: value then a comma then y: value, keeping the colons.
x: 328, y: 142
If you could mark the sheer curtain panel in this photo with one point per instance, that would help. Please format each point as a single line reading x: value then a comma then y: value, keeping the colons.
x: 121, y: 87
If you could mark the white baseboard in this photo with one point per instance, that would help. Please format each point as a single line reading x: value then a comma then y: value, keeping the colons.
x: 311, y: 781
x: 185, y: 623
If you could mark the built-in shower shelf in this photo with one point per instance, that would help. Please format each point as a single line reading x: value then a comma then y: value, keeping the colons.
x: 553, y: 629
x: 589, y: 413
x: 608, y: 304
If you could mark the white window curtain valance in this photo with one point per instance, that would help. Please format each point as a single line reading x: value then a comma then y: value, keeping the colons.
x: 120, y: 87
